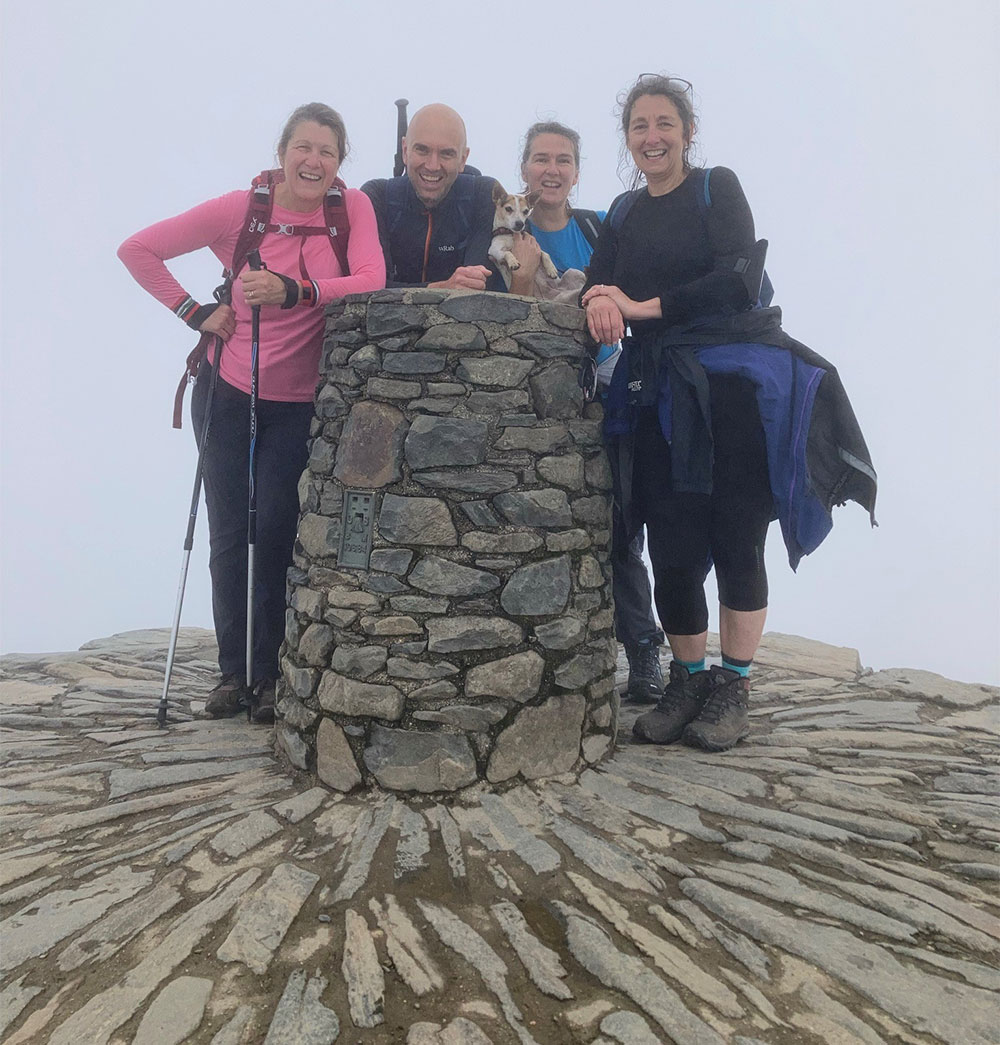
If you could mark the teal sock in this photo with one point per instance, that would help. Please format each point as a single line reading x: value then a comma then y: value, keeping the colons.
x: 741, y: 667
x: 692, y: 666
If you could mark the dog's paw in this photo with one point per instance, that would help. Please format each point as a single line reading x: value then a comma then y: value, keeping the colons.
x: 550, y: 270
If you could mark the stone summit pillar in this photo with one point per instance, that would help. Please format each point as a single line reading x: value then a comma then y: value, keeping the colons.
x: 450, y: 614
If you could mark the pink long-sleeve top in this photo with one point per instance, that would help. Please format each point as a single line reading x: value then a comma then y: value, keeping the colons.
x: 290, y: 339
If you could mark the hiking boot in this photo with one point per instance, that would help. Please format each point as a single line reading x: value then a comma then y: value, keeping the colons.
x: 645, y: 679
x: 228, y: 698
x: 680, y: 704
x: 724, y: 719
x: 260, y: 710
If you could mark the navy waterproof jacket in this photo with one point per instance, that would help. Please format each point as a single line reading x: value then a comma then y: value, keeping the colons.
x: 425, y: 246
x: 816, y: 453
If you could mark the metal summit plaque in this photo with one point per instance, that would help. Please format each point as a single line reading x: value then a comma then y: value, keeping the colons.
x: 356, y: 530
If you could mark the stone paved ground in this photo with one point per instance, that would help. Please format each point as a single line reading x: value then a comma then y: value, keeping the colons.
x: 833, y: 879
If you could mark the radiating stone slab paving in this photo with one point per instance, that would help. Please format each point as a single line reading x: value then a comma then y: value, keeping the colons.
x: 833, y: 879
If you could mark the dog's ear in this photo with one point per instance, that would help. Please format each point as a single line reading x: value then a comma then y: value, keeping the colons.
x: 499, y: 193
x: 532, y: 198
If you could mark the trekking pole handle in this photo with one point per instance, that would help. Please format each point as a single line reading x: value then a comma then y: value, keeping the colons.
x: 401, y: 104
x: 253, y: 260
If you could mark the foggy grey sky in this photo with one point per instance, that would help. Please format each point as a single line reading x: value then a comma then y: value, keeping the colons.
x: 866, y: 138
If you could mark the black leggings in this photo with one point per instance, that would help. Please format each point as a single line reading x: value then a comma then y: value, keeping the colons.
x: 282, y: 435
x: 687, y: 532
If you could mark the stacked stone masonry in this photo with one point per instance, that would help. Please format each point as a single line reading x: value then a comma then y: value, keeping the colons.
x: 478, y: 644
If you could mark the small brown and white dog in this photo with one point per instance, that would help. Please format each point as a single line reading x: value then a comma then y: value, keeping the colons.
x: 511, y: 216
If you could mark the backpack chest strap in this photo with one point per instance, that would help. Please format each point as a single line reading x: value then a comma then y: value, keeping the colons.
x: 300, y: 230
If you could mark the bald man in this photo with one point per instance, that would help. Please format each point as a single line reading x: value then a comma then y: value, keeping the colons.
x: 435, y: 223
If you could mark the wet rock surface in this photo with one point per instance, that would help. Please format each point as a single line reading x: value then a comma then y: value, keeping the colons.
x: 831, y: 879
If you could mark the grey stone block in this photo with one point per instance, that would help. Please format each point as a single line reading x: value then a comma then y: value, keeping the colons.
x: 501, y: 543
x: 564, y: 633
x: 539, y: 589
x: 480, y: 514
x: 435, y: 441
x: 335, y: 762
x: 511, y: 678
x: 556, y: 393
x: 566, y: 470
x: 485, y: 308
x: 538, y: 440
x: 384, y: 319
x: 475, y: 480
x: 535, y: 508
x: 474, y: 719
x: 316, y: 644
x: 495, y: 371
x: 358, y: 661
x: 453, y: 337
x: 416, y: 520
x: 416, y: 761
x: 541, y: 741
x: 403, y: 667
x: 471, y: 633
x: 344, y: 696
x: 391, y: 560
x: 444, y: 577
x: 549, y: 346
x: 387, y: 388
x: 413, y: 362
x: 497, y: 402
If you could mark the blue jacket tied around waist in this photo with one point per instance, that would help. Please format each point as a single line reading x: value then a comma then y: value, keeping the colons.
x: 817, y: 456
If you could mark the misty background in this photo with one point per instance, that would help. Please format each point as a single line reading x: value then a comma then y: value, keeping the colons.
x: 867, y: 139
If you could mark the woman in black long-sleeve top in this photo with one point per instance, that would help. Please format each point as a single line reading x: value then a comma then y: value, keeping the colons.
x: 666, y: 265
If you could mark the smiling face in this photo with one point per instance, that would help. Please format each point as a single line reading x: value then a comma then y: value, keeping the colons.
x: 434, y: 152
x: 657, y: 141
x: 310, y: 161
x: 550, y: 169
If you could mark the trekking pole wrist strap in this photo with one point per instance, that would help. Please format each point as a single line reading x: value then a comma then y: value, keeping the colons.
x: 197, y: 317
x: 291, y: 290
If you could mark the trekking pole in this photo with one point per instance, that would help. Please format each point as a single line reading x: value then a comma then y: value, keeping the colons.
x: 161, y: 711
x: 253, y: 259
x: 397, y: 167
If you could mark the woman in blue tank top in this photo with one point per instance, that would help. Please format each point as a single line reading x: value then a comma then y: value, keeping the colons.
x: 550, y: 167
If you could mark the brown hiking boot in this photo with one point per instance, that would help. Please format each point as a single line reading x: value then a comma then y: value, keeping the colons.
x: 229, y: 696
x: 260, y: 710
x: 725, y: 718
x: 681, y: 702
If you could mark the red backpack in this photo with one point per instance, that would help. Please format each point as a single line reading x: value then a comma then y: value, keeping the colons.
x: 255, y: 224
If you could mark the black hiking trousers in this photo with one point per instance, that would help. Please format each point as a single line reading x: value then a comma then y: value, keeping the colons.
x: 281, y: 454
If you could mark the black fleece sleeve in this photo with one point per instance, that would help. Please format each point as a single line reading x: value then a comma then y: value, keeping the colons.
x: 601, y: 268
x: 375, y: 191
x: 730, y: 234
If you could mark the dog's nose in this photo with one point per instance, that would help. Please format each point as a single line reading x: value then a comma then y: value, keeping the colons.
x: 518, y: 225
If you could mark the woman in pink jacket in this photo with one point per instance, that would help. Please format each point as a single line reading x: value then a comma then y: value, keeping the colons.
x: 302, y: 272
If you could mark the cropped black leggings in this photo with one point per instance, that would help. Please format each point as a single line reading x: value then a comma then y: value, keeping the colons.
x: 687, y: 532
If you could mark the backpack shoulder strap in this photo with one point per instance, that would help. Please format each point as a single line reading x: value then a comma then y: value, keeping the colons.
x: 589, y: 223
x: 254, y: 224
x: 621, y: 206
x: 338, y: 223
x: 703, y: 192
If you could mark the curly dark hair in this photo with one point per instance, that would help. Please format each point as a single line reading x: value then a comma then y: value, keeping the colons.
x: 678, y: 91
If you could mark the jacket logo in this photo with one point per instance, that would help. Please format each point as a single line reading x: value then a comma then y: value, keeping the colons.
x: 446, y: 248
x: 635, y: 386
